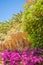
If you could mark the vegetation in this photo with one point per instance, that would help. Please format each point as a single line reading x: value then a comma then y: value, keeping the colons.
x: 10, y: 25
x: 33, y: 23
x: 28, y: 57
x: 29, y: 21
x: 19, y: 48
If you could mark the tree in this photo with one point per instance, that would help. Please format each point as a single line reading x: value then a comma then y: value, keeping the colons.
x: 17, y: 17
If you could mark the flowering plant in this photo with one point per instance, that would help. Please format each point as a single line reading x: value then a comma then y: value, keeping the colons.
x: 33, y: 57
x: 15, y: 58
x: 6, y: 56
x: 28, y: 57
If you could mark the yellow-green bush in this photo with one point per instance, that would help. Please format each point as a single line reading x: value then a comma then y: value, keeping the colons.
x: 33, y: 23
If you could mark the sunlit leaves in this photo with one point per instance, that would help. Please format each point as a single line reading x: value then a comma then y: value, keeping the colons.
x: 33, y: 19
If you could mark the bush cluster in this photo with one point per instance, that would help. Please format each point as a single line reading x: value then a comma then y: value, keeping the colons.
x: 28, y: 57
x: 33, y: 23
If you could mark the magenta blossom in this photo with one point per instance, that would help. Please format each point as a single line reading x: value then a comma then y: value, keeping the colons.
x: 15, y: 58
x: 28, y: 57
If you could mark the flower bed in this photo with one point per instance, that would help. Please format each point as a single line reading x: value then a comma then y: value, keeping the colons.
x: 28, y: 57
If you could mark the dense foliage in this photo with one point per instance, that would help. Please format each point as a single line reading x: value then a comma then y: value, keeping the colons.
x: 33, y: 23
x: 7, y: 25
x: 30, y: 21
x: 28, y: 57
x: 13, y: 24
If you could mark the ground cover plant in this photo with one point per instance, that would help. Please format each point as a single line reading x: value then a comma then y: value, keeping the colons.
x: 27, y: 57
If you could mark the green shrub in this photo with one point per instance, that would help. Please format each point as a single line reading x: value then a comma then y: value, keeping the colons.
x: 33, y: 23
